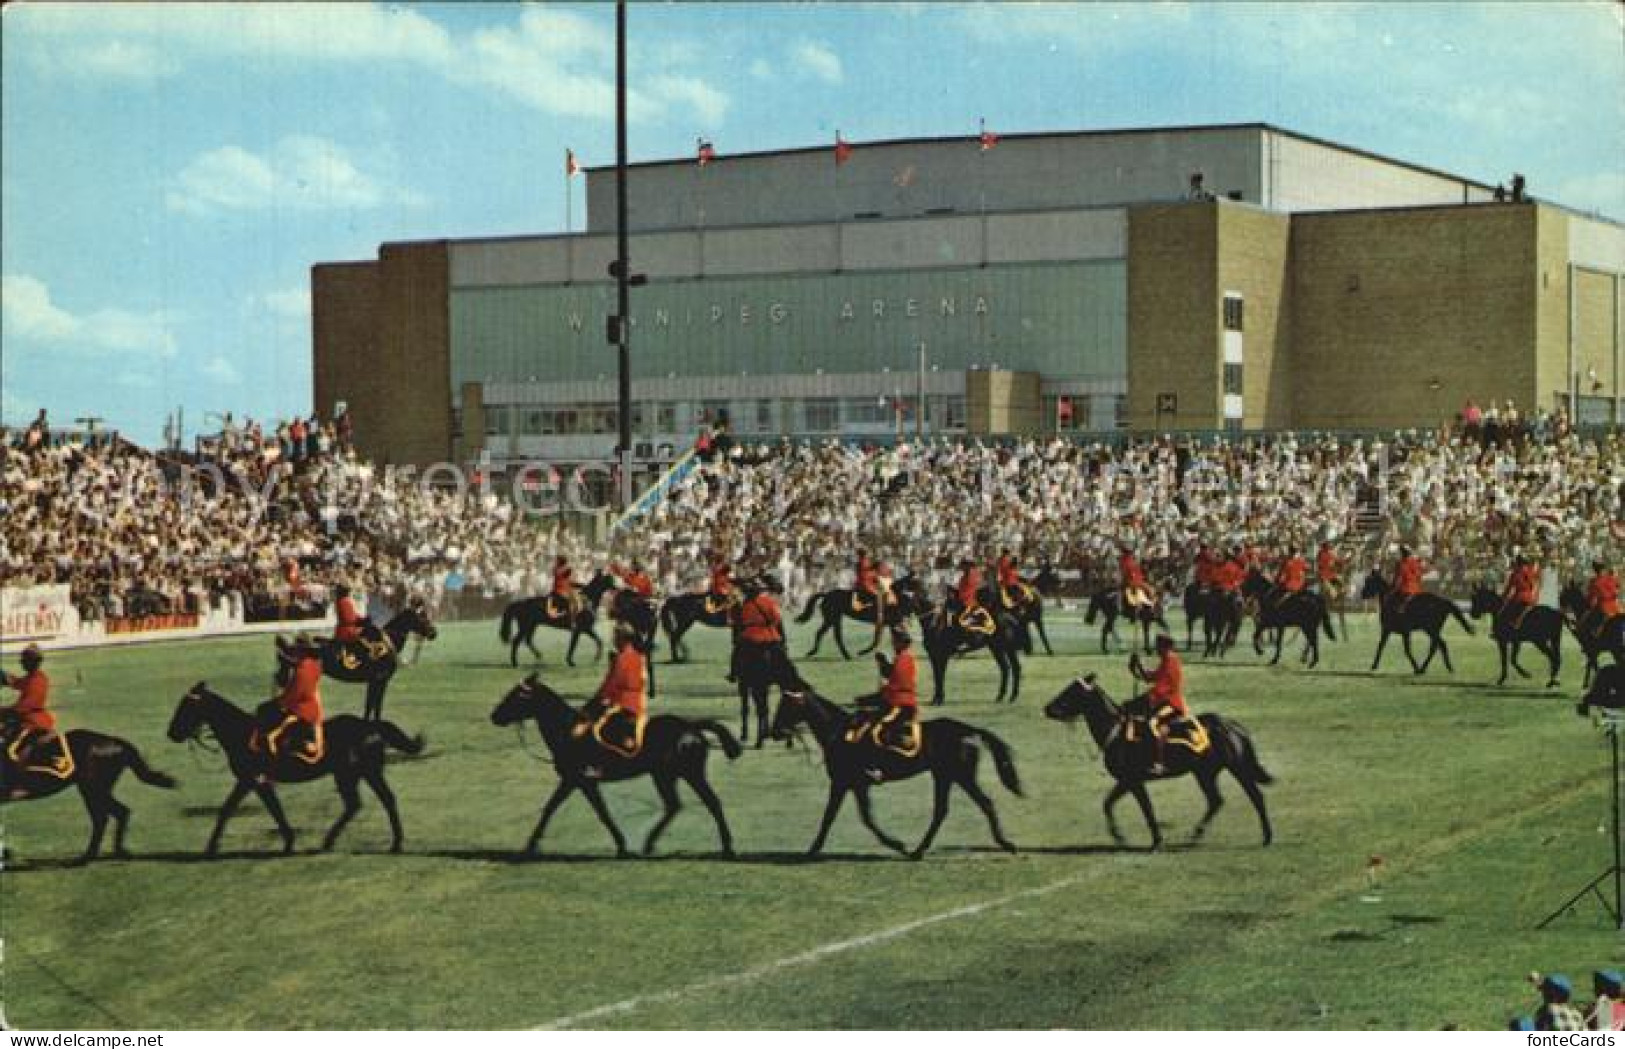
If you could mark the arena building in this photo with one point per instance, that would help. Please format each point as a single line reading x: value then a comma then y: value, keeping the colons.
x: 1232, y: 277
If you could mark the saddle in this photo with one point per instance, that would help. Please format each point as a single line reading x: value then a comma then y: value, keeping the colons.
x: 282, y: 736
x: 1177, y: 730
x: 46, y: 753
x: 888, y: 731
x: 615, y: 730
x: 560, y: 607
x: 977, y: 620
x: 1016, y: 596
x: 715, y: 602
x: 368, y: 648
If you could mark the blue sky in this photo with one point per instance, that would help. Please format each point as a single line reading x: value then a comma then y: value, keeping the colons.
x: 170, y: 173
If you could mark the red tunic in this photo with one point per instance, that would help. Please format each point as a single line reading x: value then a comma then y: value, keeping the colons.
x: 1133, y: 575
x: 900, y: 689
x: 722, y: 580
x: 1168, y: 683
x: 34, y: 690
x: 1327, y: 565
x: 1294, y: 574
x: 970, y: 584
x: 624, y: 684
x: 1524, y: 584
x: 1008, y: 577
x: 300, y: 696
x: 637, y: 582
x: 1408, y: 579
x: 1229, y: 576
x: 1206, y: 568
x: 562, y: 583
x: 349, y: 628
x: 761, y: 620
x: 866, y: 575
x: 1603, y: 593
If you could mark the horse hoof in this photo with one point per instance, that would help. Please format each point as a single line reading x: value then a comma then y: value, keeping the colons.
x: 916, y: 855
x: 1008, y: 846
x: 728, y: 853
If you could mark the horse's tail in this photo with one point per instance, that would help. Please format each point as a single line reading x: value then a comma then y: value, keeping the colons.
x: 730, y: 745
x: 1004, y: 759
x: 1243, y: 757
x: 1456, y: 612
x: 146, y: 773
x: 807, y: 612
x: 509, y: 614
x: 397, y: 739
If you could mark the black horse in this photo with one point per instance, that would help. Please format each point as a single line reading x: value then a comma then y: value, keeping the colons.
x: 1424, y: 612
x: 354, y: 752
x: 1219, y: 613
x: 628, y: 607
x: 673, y: 749
x: 1027, y: 607
x: 1110, y: 604
x: 847, y: 603
x: 1607, y: 692
x: 1129, y: 763
x: 1540, y: 625
x: 949, y: 750
x: 98, y: 761
x: 373, y: 661
x: 757, y: 669
x: 1596, y: 638
x: 946, y: 637
x: 1275, y: 610
x: 682, y: 612
x: 521, y: 618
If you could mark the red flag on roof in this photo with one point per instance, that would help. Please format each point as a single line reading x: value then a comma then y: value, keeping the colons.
x: 703, y: 152
x: 988, y: 138
x: 843, y: 150
x: 570, y: 165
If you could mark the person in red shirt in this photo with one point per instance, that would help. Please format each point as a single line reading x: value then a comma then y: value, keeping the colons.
x: 1012, y: 588
x: 1230, y: 574
x: 722, y: 585
x: 620, y: 710
x: 636, y: 579
x: 1169, y: 714
x: 1136, y: 591
x: 298, y: 708
x: 350, y: 619
x: 865, y: 580
x: 761, y: 622
x: 36, y: 735
x: 1292, y: 576
x: 1521, y: 592
x: 968, y: 598
x: 564, y: 597
x: 890, y: 717
x: 1329, y: 571
x: 1407, y: 578
x: 1207, y: 564
x: 1602, y: 597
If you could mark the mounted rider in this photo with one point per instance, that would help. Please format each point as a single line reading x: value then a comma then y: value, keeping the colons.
x: 1137, y: 592
x: 865, y: 581
x: 351, y: 623
x: 1602, y: 601
x: 564, y: 600
x: 1170, y: 718
x: 619, y: 711
x: 1521, y: 592
x: 635, y: 579
x: 292, y: 722
x: 721, y: 593
x: 1014, y: 591
x: 1206, y: 567
x: 1291, y: 577
x: 968, y: 600
x: 1407, y: 579
x: 37, y: 745
x: 890, y: 718
x: 1329, y: 572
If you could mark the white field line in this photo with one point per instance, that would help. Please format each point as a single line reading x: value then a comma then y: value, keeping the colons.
x: 808, y: 957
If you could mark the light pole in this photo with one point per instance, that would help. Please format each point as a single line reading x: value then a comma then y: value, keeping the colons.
x: 919, y: 394
x: 623, y: 288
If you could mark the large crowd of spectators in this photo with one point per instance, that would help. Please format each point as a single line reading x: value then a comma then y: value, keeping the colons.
x: 269, y: 516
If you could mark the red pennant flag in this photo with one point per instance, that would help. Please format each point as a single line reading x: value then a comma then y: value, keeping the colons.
x: 570, y: 165
x: 989, y: 140
x: 843, y: 150
x: 703, y: 152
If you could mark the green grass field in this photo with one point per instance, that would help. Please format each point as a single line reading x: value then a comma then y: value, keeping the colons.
x: 1488, y: 806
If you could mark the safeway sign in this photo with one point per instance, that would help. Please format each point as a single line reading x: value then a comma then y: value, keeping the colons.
x: 33, y: 613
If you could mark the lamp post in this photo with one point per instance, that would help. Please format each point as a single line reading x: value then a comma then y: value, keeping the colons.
x: 623, y: 289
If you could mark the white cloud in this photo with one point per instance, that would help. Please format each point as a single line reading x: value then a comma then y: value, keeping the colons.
x: 553, y: 60
x: 31, y: 316
x: 760, y: 69
x: 288, y: 303
x: 222, y: 371
x: 817, y: 60
x: 301, y: 172
x: 708, y: 104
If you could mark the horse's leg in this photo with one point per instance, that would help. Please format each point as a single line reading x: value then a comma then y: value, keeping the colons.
x: 818, y: 637
x: 1554, y: 653
x: 1501, y: 650
x: 761, y: 716
x: 1207, y: 779
x: 939, y: 671
x: 530, y: 642
x: 867, y: 815
x: 1015, y: 676
x: 96, y: 805
x: 874, y: 637
x: 121, y: 824
x: 1517, y: 646
x: 1280, y: 637
x: 596, y: 800
x: 570, y: 651
x: 1444, y: 653
x: 1415, y: 667
x: 346, y: 784
x: 513, y: 650
x: 1038, y: 621
x: 1256, y: 796
x: 1113, y: 796
x: 668, y: 795
x: 560, y: 792
x: 713, y: 804
x: 1002, y: 661
x: 597, y: 642
x: 837, y: 794
x: 1140, y: 795
x: 373, y: 709
x: 967, y: 783
x: 1382, y: 640
x: 840, y: 639
x: 273, y: 805
x: 940, y: 786
x: 744, y: 712
x: 374, y: 775
x: 239, y: 791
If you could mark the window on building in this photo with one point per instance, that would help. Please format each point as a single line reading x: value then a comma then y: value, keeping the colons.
x: 821, y: 415
x: 530, y: 421
x: 1232, y: 313
x: 496, y: 419
x: 764, y: 416
x: 666, y: 417
x: 1233, y: 379
x: 456, y: 422
x: 867, y: 411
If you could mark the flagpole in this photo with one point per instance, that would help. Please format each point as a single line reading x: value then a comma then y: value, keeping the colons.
x: 568, y: 178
